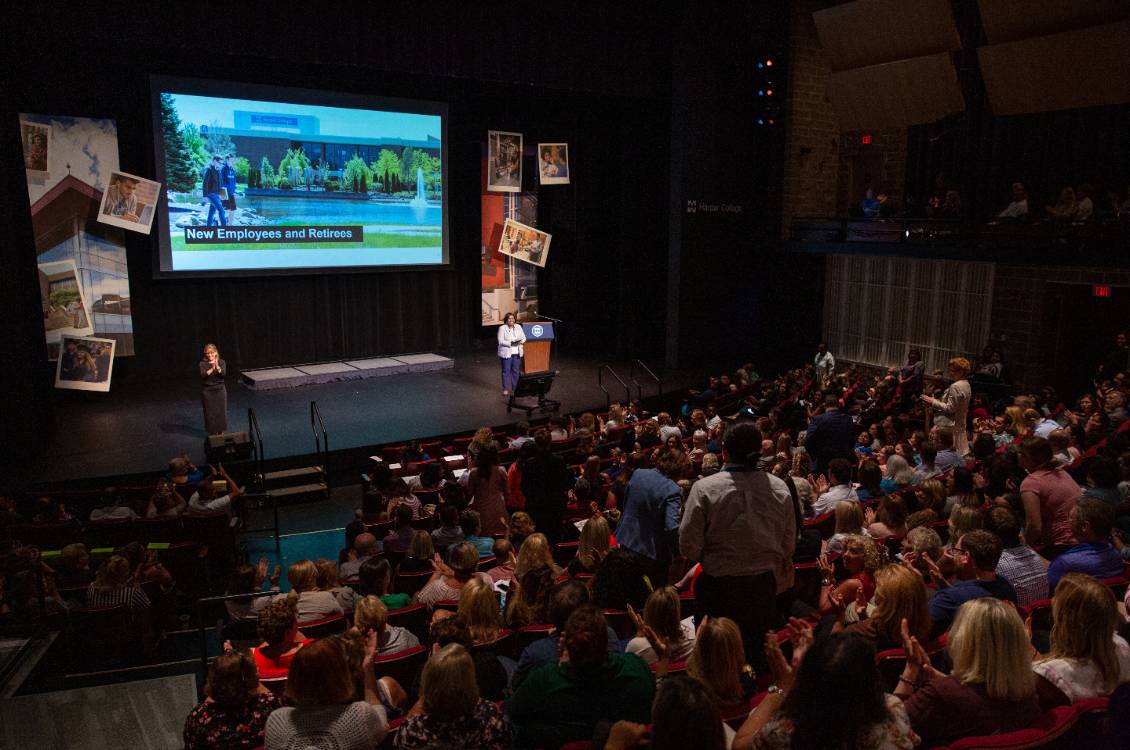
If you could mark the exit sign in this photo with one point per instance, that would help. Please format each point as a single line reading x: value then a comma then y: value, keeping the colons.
x: 865, y: 140
x: 1100, y: 290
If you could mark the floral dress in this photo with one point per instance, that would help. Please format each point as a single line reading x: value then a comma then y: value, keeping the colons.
x: 893, y: 734
x: 210, y: 725
x: 486, y: 728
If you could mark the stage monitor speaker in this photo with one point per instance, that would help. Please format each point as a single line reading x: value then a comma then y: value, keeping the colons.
x: 869, y: 32
x: 1081, y: 68
x: 896, y: 94
x: 534, y: 385
x: 228, y: 446
x: 1012, y: 20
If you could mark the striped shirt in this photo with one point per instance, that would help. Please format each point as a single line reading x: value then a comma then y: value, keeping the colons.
x: 132, y: 597
x: 1026, y: 571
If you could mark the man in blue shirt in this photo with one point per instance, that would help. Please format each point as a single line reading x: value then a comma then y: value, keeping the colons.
x: 1091, y: 522
x: 649, y: 524
x: 947, y: 459
x: 975, y: 556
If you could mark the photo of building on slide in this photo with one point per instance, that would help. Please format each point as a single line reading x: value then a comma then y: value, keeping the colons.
x: 334, y: 186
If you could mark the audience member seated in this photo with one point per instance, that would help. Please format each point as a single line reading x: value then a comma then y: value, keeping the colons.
x: 870, y: 476
x: 890, y: 519
x: 403, y: 534
x: 947, y: 458
x: 166, y: 502
x: 375, y: 579
x: 922, y: 550
x: 364, y: 547
x: 592, y: 548
x: 682, y: 716
x: 430, y: 478
x: 527, y: 600
x: 831, y: 695
x: 718, y: 662
x: 563, y: 703
x: 520, y: 527
x: 490, y: 673
x: 311, y: 601
x: 448, y: 579
x: 391, y: 694
x: 1085, y: 208
x: 506, y: 560
x: 869, y: 206
x: 487, y: 490
x: 852, y: 578
x: 961, y: 490
x: 1103, y: 475
x: 235, y: 708
x: 114, y: 585
x: 1091, y: 522
x: 900, y: 596
x: 836, y: 488
x: 592, y: 484
x: 449, y: 531
x: 278, y: 627
x: 1049, y: 493
x: 112, y: 508
x: 205, y: 500
x: 246, y: 580
x: 991, y: 687
x: 899, y: 475
x: 321, y: 711
x: 1087, y: 659
x: 927, y: 467
x: 620, y: 581
x: 400, y: 495
x: 471, y: 523
x: 1020, y: 565
x: 327, y: 581
x: 975, y: 558
x: 371, y: 615
x: 73, y: 566
x: 1065, y: 208
x: 1018, y: 207
x: 184, y: 475
x: 421, y: 553
x: 849, y: 522
x: 478, y: 607
x: 662, y: 613
x: 536, y: 553
x: 452, y: 711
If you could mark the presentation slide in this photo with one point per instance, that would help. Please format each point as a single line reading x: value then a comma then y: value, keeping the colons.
x: 279, y: 180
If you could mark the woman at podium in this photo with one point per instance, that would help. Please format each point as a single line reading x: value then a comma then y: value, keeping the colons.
x: 510, y: 349
x: 213, y: 394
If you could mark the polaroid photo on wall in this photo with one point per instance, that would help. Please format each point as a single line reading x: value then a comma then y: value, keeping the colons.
x: 553, y: 163
x: 85, y: 363
x: 524, y: 243
x: 129, y: 202
x: 66, y: 307
x: 36, y: 138
x: 504, y: 162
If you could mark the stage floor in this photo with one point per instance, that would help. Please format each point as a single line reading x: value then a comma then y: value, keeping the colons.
x: 137, y: 428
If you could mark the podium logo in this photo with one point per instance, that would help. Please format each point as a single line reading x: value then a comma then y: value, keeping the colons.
x: 537, y: 331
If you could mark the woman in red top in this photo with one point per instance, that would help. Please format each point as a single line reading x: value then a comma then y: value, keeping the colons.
x: 278, y: 627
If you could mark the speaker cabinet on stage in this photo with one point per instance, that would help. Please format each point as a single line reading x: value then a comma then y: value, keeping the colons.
x: 228, y: 446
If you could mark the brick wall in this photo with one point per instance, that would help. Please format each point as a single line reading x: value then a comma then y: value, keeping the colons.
x: 890, y: 144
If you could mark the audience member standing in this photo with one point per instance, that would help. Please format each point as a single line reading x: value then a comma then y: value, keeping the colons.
x: 741, y: 524
x: 1048, y: 493
x: 830, y: 435
x: 546, y: 480
x: 825, y: 363
x: 950, y: 411
x: 649, y: 525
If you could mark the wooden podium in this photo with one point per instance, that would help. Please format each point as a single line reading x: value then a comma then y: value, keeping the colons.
x: 538, y: 346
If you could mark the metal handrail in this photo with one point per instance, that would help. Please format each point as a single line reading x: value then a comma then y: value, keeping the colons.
x: 639, y: 388
x: 256, y: 436
x: 607, y: 395
x: 321, y: 444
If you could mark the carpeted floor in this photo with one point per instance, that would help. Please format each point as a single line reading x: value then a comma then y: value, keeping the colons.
x: 142, y: 714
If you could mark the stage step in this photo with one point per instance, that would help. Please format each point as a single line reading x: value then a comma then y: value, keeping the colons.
x: 288, y: 474
x: 300, y: 490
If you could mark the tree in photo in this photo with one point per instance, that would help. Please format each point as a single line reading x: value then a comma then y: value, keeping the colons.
x: 266, y: 173
x: 296, y: 159
x: 218, y: 143
x: 357, y: 175
x: 242, y: 168
x: 195, y: 144
x: 180, y: 172
x: 408, y: 165
x: 387, y: 167
x: 430, y: 166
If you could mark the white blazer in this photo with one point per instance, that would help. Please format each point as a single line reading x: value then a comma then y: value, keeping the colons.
x: 510, y: 341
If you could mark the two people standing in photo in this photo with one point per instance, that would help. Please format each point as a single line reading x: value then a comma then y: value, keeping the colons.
x: 511, y: 340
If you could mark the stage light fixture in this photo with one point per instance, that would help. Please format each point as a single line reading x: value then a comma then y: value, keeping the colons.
x: 761, y: 92
x: 769, y: 63
x: 760, y: 121
x: 769, y: 92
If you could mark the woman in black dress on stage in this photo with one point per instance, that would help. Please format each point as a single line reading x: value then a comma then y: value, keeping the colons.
x: 214, y: 395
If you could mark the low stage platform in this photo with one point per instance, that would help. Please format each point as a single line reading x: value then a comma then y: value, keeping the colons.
x: 138, y: 427
x: 269, y: 378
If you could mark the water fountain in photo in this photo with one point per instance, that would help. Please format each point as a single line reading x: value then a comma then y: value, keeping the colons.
x: 420, y: 201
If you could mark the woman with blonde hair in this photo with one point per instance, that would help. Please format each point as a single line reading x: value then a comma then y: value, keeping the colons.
x: 113, y: 585
x: 849, y: 522
x: 520, y: 527
x: 528, y: 600
x: 328, y: 581
x: 452, y: 710
x: 213, y: 393
x: 311, y: 601
x: 992, y: 687
x: 420, y: 553
x: 535, y: 552
x: 951, y: 410
x: 371, y: 615
x: 801, y: 468
x: 900, y: 594
x: 483, y: 438
x: 663, y: 614
x: 1087, y: 659
x: 718, y: 662
x: 615, y: 418
x: 853, y: 578
x: 594, y: 545
x: 478, y: 607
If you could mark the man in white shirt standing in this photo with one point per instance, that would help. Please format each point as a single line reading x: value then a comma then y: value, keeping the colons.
x: 741, y: 525
x: 825, y: 363
x: 511, y: 339
x: 1018, y: 208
